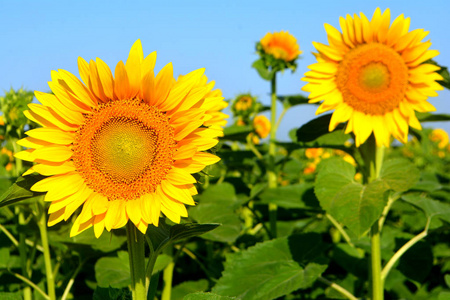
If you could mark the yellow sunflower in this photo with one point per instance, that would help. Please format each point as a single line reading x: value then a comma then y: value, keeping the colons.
x: 282, y: 45
x: 123, y: 147
x: 262, y: 126
x: 374, y: 76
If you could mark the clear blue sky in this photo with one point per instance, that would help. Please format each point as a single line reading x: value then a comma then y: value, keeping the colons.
x: 40, y: 36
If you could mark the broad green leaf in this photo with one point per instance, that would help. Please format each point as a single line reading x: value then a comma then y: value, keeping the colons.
x: 348, y: 201
x: 113, y: 271
x: 291, y: 196
x: 236, y: 133
x: 268, y: 270
x: 206, y: 296
x: 431, y: 208
x: 399, y: 174
x: 20, y: 190
x: 162, y: 261
x: 351, y: 259
x: 217, y: 205
x: 188, y: 287
x: 163, y: 234
x: 293, y: 100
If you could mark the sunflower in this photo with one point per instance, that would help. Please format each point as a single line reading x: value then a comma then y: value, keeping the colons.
x: 439, y: 136
x: 123, y: 147
x: 262, y: 126
x: 374, y: 76
x: 281, y: 45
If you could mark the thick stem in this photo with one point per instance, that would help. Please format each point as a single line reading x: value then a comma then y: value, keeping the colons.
x: 272, y: 177
x: 136, y: 251
x: 373, y: 157
x: 168, y: 275
x: 375, y: 263
x: 42, y: 224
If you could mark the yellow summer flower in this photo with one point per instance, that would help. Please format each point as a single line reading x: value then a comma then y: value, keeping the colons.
x: 439, y: 136
x: 282, y: 45
x: 243, y: 103
x: 262, y: 126
x: 373, y: 75
x: 123, y: 147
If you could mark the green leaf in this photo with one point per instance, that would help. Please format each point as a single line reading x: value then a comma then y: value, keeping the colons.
x: 86, y: 241
x: 4, y: 257
x: 291, y: 196
x: 188, y: 287
x: 113, y: 271
x: 349, y: 202
x: 163, y: 234
x: 444, y: 73
x: 206, y: 296
x: 428, y: 117
x: 10, y: 296
x: 236, y: 133
x: 293, y: 100
x: 399, y: 174
x: 314, y: 129
x: 263, y: 71
x: 20, y: 190
x: 217, y: 205
x: 431, y: 208
x: 268, y: 270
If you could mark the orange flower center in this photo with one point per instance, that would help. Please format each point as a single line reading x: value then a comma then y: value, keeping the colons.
x: 372, y: 78
x: 124, y: 149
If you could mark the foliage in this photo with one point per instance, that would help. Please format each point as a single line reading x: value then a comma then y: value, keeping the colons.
x: 325, y: 210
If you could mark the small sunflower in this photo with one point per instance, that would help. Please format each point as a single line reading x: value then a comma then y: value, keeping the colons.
x: 439, y: 136
x: 262, y: 126
x: 123, y: 147
x: 281, y: 45
x: 374, y: 76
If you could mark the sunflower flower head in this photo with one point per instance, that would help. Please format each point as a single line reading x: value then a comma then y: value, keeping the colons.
x: 278, y: 51
x: 123, y: 145
x: 439, y: 136
x: 374, y: 75
x: 244, y: 106
x: 262, y: 126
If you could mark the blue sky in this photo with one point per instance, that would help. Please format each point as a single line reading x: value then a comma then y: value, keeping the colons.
x: 40, y: 36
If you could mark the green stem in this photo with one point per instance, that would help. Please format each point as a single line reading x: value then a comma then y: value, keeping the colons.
x: 72, y: 281
x: 373, y: 157
x: 31, y: 284
x: 136, y: 251
x: 23, y: 254
x: 18, y: 162
x: 338, y: 288
x: 272, y: 177
x: 402, y: 250
x: 341, y: 230
x: 168, y: 275
x: 283, y: 112
x: 42, y: 224
x: 252, y: 147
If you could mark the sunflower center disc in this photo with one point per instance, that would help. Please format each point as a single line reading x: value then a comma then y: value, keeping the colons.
x: 124, y: 149
x: 372, y: 78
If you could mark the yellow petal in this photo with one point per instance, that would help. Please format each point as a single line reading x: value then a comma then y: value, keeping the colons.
x: 99, y: 224
x: 52, y: 135
x: 49, y: 170
x: 53, y: 153
x: 178, y: 194
x: 73, y: 117
x: 133, y: 66
x: 163, y: 84
x: 56, y: 217
x: 106, y: 78
x: 134, y: 211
